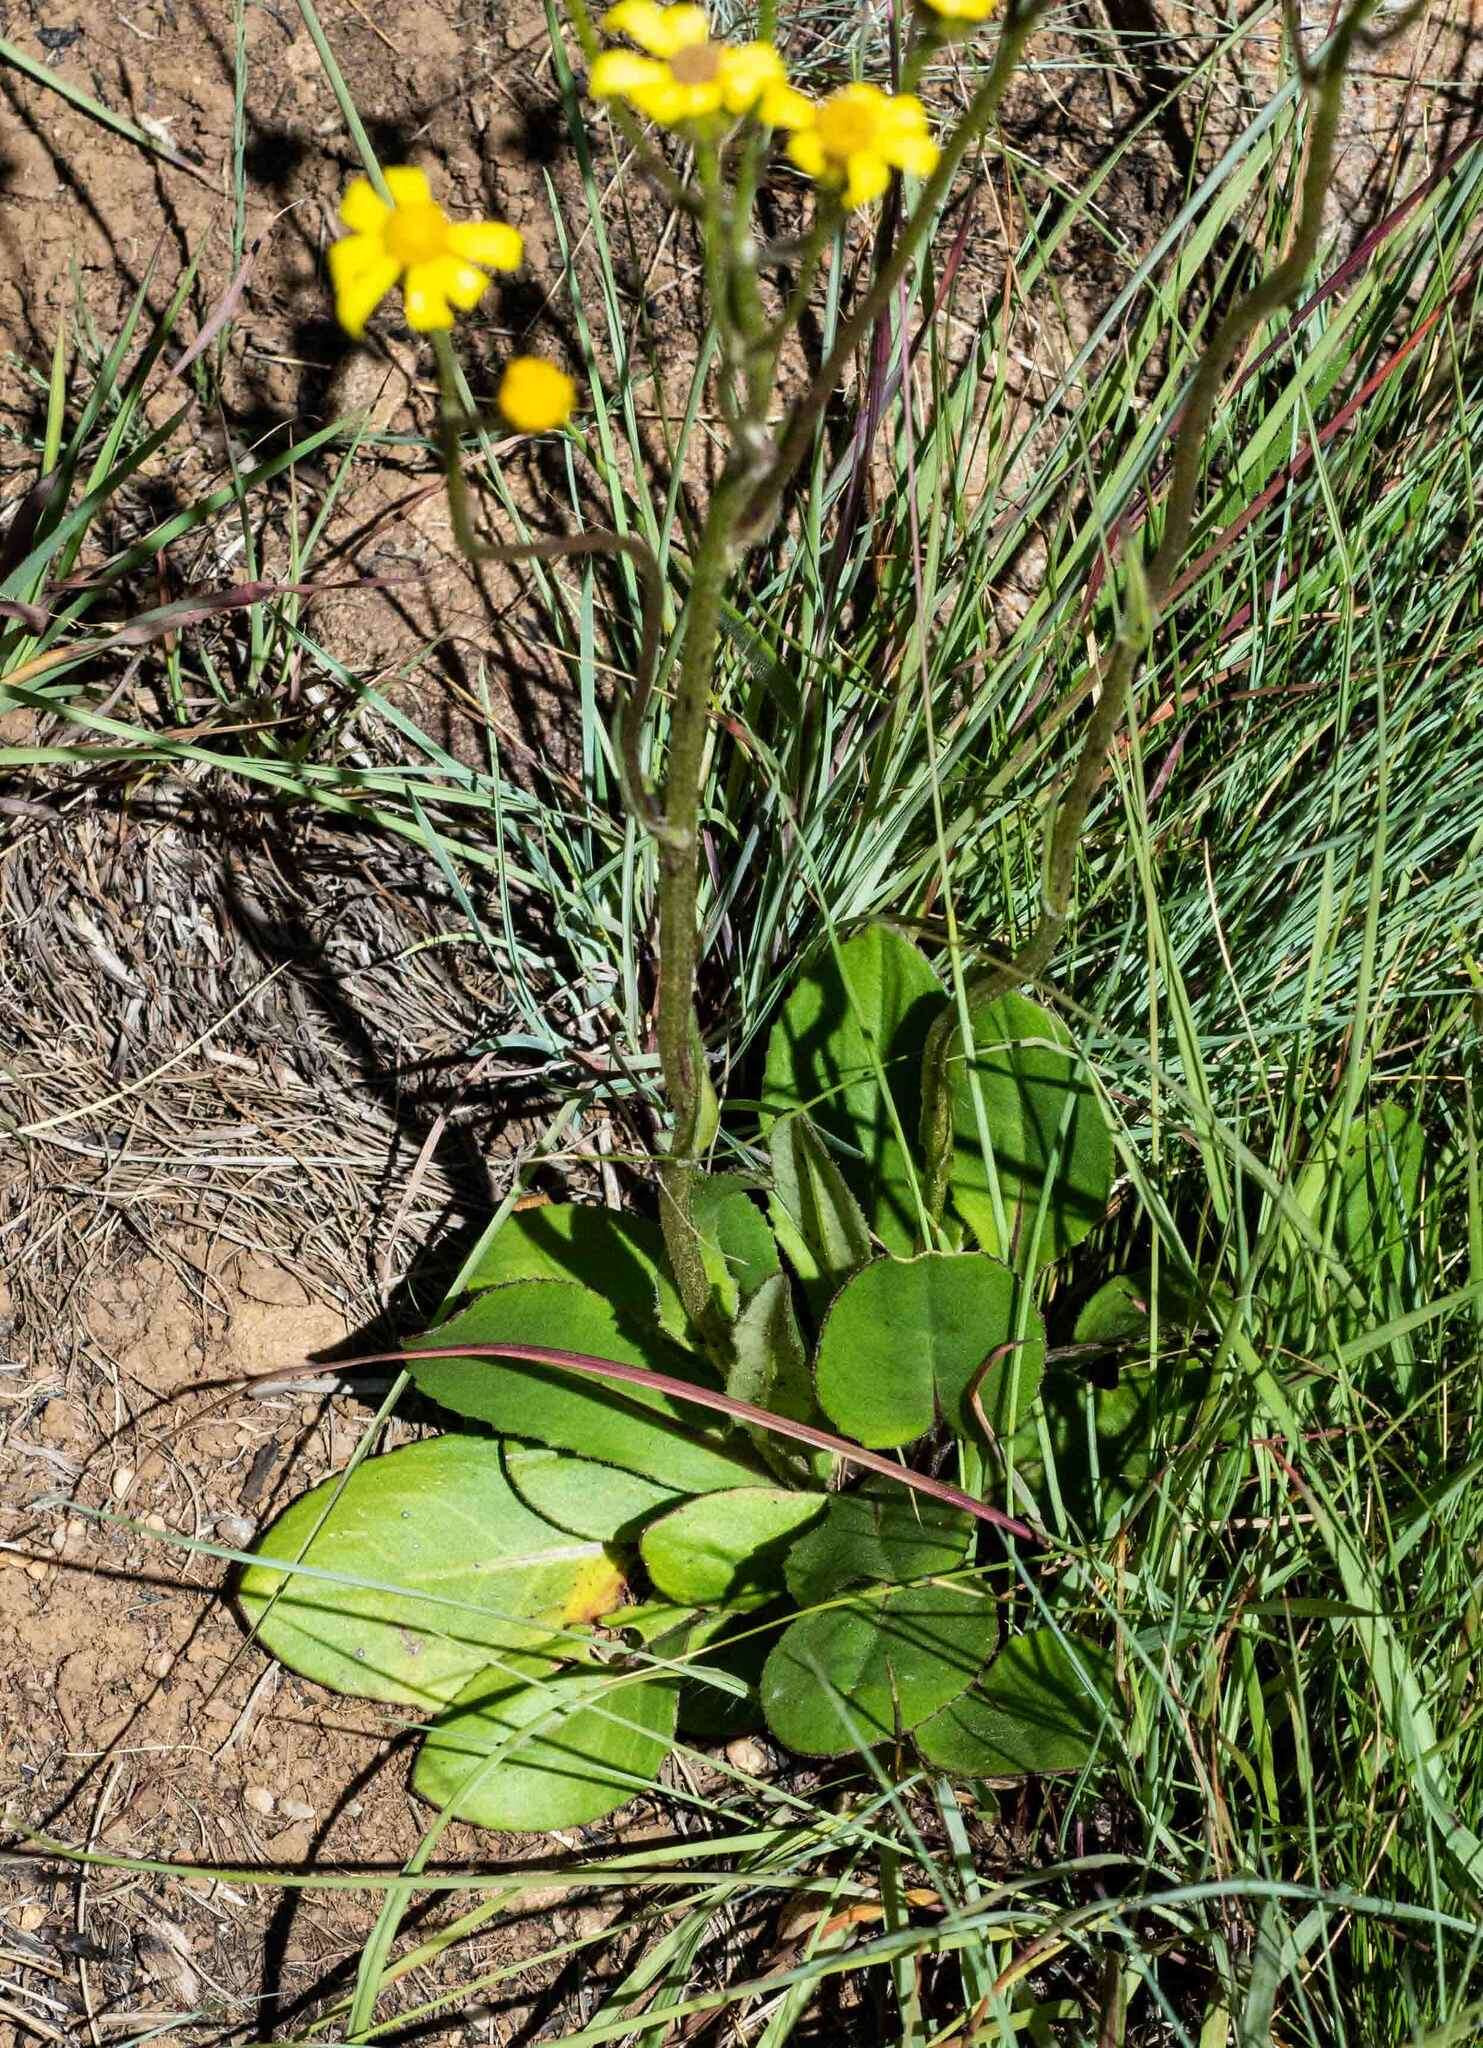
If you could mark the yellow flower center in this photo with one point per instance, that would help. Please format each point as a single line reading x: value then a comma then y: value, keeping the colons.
x: 696, y: 64
x: 847, y: 125
x: 417, y: 234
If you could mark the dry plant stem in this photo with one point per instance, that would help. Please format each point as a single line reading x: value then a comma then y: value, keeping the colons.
x: 1147, y: 597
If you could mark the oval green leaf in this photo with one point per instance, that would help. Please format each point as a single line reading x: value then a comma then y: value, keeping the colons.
x: 585, y: 1498
x: 859, y: 1673
x: 453, y: 1566
x: 1050, y: 1145
x: 904, y: 1342
x: 641, y: 1429
x: 851, y: 1023
x: 1042, y: 1706
x: 720, y: 1546
x: 532, y: 1743
x: 611, y: 1253
x: 882, y: 1532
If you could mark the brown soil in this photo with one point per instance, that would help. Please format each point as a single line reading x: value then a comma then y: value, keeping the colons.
x: 180, y: 1210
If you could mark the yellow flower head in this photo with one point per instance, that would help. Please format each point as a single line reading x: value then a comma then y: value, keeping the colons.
x: 535, y: 395
x: 972, y: 11
x: 683, y: 76
x: 858, y: 136
x: 414, y: 241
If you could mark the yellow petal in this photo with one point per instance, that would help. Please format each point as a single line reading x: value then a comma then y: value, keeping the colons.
x: 362, y: 209
x: 744, y: 72
x: 659, y: 30
x: 489, y: 242
x: 866, y: 177
x: 426, y: 298
x: 806, y: 150
x: 362, y: 274
x: 464, y: 284
x: 665, y: 100
x: 618, y: 75
x: 409, y: 187
x: 685, y: 25
x: 917, y: 154
x: 783, y: 106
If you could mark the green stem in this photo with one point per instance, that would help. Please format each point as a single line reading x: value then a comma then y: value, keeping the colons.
x: 681, y: 1053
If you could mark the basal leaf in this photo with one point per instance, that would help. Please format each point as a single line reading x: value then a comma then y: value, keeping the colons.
x: 769, y: 1368
x: 533, y: 1743
x: 863, y: 1671
x: 1369, y: 1175
x: 904, y: 1342
x: 818, y: 1222
x: 645, y: 1431
x: 582, y: 1497
x: 607, y: 1251
x: 1031, y: 1711
x: 718, y: 1546
x: 1049, y: 1139
x: 881, y: 1532
x: 434, y: 1519
x: 849, y: 1021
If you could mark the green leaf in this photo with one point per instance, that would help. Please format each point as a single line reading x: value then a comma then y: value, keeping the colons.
x: 433, y: 1519
x: 1045, y: 1126
x: 817, y: 1220
x: 736, y: 1248
x: 1132, y: 1426
x: 643, y: 1430
x: 722, y: 1545
x: 847, y: 1021
x: 1376, y: 1162
x: 881, y: 1532
x: 618, y: 1256
x: 1109, y: 1436
x: 1031, y: 1711
x: 585, y: 1498
x: 861, y: 1672
x: 769, y: 1368
x: 531, y: 1743
x: 905, y: 1340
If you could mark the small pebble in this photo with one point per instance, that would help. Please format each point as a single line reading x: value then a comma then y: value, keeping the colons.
x: 29, y: 1918
x: 260, y: 1799
x: 164, y: 1664
x: 123, y: 1479
x: 59, y: 1537
x: 296, y: 1809
x: 156, y: 1521
x: 748, y: 1755
x: 235, y: 1531
x: 36, y: 1569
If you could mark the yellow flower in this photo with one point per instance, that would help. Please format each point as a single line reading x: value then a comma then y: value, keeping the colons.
x: 858, y: 136
x: 684, y: 76
x: 962, y: 10
x: 535, y: 395
x: 412, y: 240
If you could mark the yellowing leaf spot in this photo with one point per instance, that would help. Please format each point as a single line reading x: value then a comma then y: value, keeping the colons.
x: 596, y: 1590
